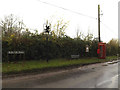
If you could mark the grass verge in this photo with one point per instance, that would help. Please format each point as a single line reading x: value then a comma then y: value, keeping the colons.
x: 41, y: 65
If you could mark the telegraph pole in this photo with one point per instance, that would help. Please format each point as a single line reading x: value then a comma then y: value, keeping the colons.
x: 99, y: 23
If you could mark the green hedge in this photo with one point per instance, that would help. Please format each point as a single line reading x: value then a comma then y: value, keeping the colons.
x: 36, y: 47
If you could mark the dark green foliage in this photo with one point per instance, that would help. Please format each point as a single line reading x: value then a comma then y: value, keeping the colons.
x: 112, y: 47
x: 36, y: 47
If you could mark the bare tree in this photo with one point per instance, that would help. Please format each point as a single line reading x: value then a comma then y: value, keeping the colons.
x: 11, y: 25
x: 59, y: 28
x: 79, y: 34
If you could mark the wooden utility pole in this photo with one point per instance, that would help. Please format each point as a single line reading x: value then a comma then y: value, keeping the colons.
x: 99, y: 23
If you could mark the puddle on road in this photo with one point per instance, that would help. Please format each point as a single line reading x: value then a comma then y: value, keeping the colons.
x: 107, y: 63
x: 104, y: 65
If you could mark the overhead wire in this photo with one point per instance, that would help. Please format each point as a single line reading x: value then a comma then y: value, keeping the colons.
x: 108, y: 28
x: 76, y: 13
x: 68, y: 10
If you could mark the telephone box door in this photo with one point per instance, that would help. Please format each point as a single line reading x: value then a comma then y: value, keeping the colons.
x: 101, y: 50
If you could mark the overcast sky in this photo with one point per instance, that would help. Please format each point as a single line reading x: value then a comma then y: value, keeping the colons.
x: 34, y: 13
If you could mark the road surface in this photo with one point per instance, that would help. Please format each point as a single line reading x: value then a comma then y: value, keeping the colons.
x: 103, y: 75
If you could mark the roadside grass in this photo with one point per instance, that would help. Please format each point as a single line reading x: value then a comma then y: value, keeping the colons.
x: 32, y: 65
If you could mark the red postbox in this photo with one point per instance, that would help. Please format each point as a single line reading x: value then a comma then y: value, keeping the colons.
x: 101, y: 51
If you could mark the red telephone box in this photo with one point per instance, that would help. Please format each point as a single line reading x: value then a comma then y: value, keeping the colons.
x: 101, y: 51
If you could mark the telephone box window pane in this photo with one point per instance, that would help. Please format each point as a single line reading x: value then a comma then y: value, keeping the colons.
x: 101, y: 51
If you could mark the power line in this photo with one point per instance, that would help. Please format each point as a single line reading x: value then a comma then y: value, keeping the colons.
x: 108, y: 28
x: 68, y: 10
x: 76, y: 13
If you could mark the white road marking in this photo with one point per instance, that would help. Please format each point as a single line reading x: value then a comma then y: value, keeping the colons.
x: 108, y: 81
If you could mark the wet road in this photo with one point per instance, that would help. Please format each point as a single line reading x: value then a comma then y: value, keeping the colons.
x: 104, y: 75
